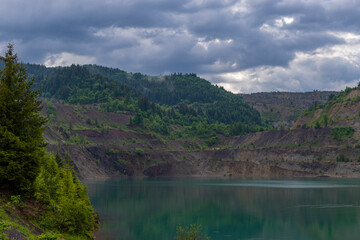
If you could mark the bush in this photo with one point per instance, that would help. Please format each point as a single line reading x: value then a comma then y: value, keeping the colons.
x: 51, y: 109
x: 342, y: 132
x: 77, y: 139
x: 211, y: 141
x: 192, y: 232
x: 3, y: 226
x: 342, y: 158
x: 139, y: 152
x: 68, y: 207
x: 48, y: 237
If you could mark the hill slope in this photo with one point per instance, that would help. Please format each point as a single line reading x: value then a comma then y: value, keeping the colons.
x: 113, y: 148
x: 104, y: 141
x: 341, y: 113
x: 283, y: 108
x: 187, y: 93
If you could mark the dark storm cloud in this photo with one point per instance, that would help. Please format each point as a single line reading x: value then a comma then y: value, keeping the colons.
x: 209, y: 37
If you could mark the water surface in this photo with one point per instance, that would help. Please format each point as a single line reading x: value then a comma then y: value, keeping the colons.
x: 228, y: 209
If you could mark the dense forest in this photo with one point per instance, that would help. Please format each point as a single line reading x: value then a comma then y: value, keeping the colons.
x: 156, y: 102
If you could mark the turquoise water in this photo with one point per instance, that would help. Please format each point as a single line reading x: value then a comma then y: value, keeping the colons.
x: 306, y: 209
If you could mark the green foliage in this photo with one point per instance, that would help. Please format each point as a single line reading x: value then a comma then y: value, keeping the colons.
x: 240, y: 129
x: 15, y: 201
x: 77, y: 139
x: 211, y: 141
x: 342, y: 132
x: 137, y: 120
x: 48, y: 236
x: 75, y: 84
x: 341, y: 97
x: 51, y: 109
x: 317, y: 125
x: 192, y: 232
x: 342, y: 158
x: 21, y: 126
x: 185, y: 98
x: 68, y: 208
x: 110, y: 151
x: 3, y: 226
x: 325, y: 120
x: 24, y: 165
x: 139, y: 152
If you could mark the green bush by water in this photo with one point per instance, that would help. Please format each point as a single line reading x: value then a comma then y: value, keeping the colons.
x: 192, y: 232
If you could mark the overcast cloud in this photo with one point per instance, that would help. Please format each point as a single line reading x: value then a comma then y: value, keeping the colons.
x: 245, y: 45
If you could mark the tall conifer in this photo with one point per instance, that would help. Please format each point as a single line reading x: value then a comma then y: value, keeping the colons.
x: 21, y: 125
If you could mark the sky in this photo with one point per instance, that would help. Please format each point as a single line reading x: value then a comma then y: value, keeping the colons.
x: 245, y: 45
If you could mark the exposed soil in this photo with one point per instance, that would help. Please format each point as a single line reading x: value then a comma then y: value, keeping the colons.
x: 115, y: 149
x: 283, y: 108
x: 14, y: 234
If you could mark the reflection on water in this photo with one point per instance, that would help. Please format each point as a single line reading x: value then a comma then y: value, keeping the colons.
x: 135, y: 209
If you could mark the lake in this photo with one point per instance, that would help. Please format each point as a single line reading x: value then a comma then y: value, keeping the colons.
x: 228, y: 209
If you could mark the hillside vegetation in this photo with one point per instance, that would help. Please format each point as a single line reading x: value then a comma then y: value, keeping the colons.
x: 282, y: 109
x: 180, y: 100
x: 341, y: 113
x: 40, y: 195
x: 117, y: 123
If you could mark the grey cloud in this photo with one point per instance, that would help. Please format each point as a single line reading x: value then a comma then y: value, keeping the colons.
x: 302, y: 74
x: 206, y: 37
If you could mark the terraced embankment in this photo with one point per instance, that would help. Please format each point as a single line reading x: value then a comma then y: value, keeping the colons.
x: 102, y: 145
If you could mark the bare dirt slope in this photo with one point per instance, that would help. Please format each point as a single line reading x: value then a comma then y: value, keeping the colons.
x: 283, y: 108
x: 103, y: 145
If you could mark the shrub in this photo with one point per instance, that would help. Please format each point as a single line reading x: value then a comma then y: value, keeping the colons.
x: 48, y: 237
x: 3, y: 226
x: 77, y: 139
x: 68, y: 207
x: 139, y: 152
x: 342, y: 158
x: 192, y: 232
x: 211, y: 141
x: 342, y: 132
x: 51, y: 109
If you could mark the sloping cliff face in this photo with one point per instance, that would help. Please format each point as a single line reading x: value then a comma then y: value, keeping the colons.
x: 108, y: 148
x: 340, y: 113
x: 283, y: 108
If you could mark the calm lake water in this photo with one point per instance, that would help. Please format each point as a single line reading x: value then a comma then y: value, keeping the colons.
x: 150, y: 209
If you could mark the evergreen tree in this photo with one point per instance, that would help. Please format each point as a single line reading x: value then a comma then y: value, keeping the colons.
x: 21, y: 125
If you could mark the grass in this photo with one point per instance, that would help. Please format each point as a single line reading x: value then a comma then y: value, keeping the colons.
x: 12, y: 218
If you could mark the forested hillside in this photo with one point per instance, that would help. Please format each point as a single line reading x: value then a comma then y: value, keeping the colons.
x: 156, y: 102
x: 116, y: 123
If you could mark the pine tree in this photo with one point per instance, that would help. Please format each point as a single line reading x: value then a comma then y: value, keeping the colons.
x: 21, y: 125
